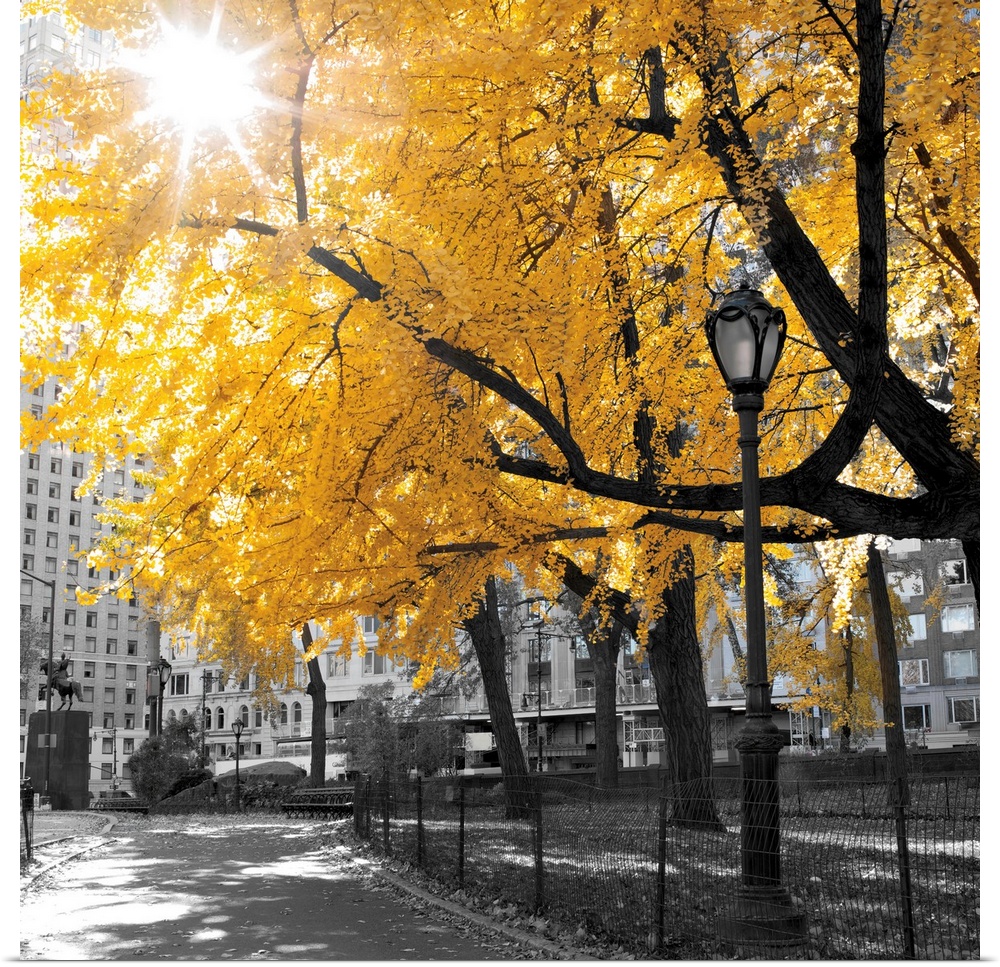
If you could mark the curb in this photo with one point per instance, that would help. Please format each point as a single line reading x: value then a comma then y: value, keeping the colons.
x: 514, y: 933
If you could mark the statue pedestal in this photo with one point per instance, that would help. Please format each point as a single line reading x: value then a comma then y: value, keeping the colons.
x: 68, y: 758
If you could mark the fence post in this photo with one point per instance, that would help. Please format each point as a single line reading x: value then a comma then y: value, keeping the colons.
x: 420, y: 822
x: 368, y: 807
x: 385, y: 814
x: 27, y: 815
x: 539, y: 870
x: 661, y: 864
x: 901, y: 797
x: 461, y: 832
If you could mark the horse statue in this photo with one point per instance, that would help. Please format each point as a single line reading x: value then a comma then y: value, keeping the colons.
x: 60, y: 681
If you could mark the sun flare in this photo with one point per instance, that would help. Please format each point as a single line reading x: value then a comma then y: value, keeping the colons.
x: 200, y: 84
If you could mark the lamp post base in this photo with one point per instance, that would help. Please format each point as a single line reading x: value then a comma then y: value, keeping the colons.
x: 763, y: 917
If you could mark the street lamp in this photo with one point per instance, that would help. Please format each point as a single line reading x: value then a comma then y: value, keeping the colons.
x: 746, y: 335
x: 159, y: 676
x: 51, y: 585
x: 238, y: 731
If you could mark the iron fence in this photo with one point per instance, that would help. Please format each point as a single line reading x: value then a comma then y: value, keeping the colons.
x: 873, y: 878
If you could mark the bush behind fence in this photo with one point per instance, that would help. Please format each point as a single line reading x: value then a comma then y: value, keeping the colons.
x: 616, y: 862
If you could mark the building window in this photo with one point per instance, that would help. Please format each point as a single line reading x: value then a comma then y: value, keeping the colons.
x: 370, y: 625
x: 130, y: 696
x: 89, y: 669
x: 918, y: 630
x: 76, y: 470
x: 52, y: 515
x: 132, y: 647
x: 74, y: 518
x: 109, y: 696
x: 220, y: 718
x: 130, y: 721
x: 90, y: 644
x: 258, y: 718
x: 32, y: 485
x: 55, y: 491
x: 106, y: 770
x: 88, y: 693
x: 963, y: 710
x: 31, y: 511
x: 296, y: 713
x: 73, y: 568
x: 128, y: 746
x: 953, y: 572
x: 27, y: 586
x: 69, y: 618
x: 179, y: 685
x: 914, y: 671
x: 55, y: 466
x: 50, y: 565
x: 245, y: 715
x: 33, y: 461
x: 112, y: 621
x: 131, y: 673
x: 51, y: 539
x: 69, y: 642
x: 110, y: 671
x: 107, y: 745
x: 960, y: 664
x: 28, y: 562
x: 111, y: 646
x: 283, y: 714
x: 957, y: 617
x: 29, y: 537
x: 338, y: 667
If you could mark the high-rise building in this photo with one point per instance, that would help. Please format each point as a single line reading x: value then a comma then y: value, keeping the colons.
x: 107, y: 643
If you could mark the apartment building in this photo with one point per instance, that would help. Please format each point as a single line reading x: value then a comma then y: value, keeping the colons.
x: 108, y: 644
x: 939, y: 661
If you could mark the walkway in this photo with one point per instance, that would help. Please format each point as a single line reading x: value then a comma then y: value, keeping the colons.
x: 232, y: 888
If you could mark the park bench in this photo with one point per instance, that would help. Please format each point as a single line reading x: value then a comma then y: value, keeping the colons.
x: 119, y: 804
x: 327, y: 801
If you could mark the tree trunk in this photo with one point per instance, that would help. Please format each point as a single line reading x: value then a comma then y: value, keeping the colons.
x: 892, y: 705
x: 316, y: 690
x: 845, y: 729
x: 605, y: 643
x: 676, y: 664
x: 490, y: 646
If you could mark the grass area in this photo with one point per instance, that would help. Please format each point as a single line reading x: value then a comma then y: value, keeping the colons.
x: 840, y: 864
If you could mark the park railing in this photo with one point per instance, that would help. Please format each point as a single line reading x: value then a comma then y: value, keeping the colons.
x: 659, y: 870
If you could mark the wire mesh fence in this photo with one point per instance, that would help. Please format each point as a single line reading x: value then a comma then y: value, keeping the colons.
x: 861, y: 875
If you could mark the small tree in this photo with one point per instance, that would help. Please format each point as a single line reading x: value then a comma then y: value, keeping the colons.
x: 33, y: 644
x: 161, y: 760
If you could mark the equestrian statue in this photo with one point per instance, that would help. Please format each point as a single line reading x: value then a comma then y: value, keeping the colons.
x: 59, y: 680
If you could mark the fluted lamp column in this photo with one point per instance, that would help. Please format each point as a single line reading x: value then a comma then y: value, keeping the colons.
x: 747, y: 335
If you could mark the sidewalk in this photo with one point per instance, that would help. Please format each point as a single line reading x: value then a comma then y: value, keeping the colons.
x: 235, y: 888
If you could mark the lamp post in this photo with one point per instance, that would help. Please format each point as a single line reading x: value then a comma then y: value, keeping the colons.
x: 163, y: 669
x: 238, y: 731
x: 51, y: 585
x: 746, y: 335
x: 159, y: 675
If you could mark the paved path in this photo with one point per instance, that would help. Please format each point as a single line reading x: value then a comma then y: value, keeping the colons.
x: 232, y: 889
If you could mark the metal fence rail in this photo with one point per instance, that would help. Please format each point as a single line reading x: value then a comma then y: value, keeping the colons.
x: 617, y: 862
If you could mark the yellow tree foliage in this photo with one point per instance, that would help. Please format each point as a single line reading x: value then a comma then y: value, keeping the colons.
x: 424, y: 294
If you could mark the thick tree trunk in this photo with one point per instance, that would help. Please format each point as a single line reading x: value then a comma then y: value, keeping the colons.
x: 316, y: 690
x: 488, y: 641
x: 605, y: 644
x: 676, y: 664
